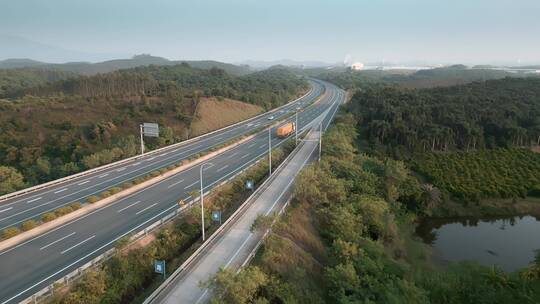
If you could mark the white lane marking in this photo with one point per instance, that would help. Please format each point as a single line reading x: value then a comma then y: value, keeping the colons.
x: 191, y: 185
x: 6, y: 209
x: 61, y: 190
x: 253, y: 144
x: 146, y: 208
x: 151, y: 158
x: 262, y: 146
x: 136, y: 164
x: 128, y: 206
x: 78, y: 244
x: 103, y: 175
x: 174, y: 184
x: 33, y: 200
x: 244, y: 156
x: 85, y: 182
x: 208, y: 167
x: 233, y: 155
x: 238, y: 250
x: 121, y: 169
x: 220, y: 169
x: 60, y: 239
x: 164, y: 153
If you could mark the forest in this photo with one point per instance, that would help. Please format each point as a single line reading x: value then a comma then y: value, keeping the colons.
x: 496, y: 113
x: 67, y: 125
x: 344, y: 240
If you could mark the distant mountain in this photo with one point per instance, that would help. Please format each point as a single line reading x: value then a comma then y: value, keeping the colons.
x: 87, y: 68
x: 16, y: 63
x: 259, y: 64
x: 19, y: 47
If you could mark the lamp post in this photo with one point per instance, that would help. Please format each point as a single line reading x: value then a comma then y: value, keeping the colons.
x: 202, y: 199
x: 270, y: 150
x: 142, y: 140
x: 296, y: 128
x: 320, y: 141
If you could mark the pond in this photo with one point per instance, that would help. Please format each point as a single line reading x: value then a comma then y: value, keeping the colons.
x: 509, y: 243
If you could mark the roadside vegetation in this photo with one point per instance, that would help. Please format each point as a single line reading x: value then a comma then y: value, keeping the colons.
x: 66, y: 125
x: 346, y: 239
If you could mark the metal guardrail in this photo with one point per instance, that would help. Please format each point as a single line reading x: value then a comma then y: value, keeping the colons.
x: 120, y: 162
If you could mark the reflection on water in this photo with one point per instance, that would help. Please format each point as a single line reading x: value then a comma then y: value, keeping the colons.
x: 508, y: 242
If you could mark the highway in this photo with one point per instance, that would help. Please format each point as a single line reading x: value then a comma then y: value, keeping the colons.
x: 36, y: 263
x: 16, y: 210
x: 231, y: 246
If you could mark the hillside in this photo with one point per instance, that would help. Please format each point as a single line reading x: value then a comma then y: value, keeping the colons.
x: 438, y: 77
x: 71, y: 125
x: 87, y: 68
x: 213, y: 113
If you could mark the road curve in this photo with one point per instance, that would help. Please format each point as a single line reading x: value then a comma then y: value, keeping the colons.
x: 36, y: 263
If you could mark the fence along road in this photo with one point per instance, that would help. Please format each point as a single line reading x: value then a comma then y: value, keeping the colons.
x: 37, y: 263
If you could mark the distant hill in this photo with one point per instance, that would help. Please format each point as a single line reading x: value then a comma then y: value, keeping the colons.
x: 16, y: 63
x: 87, y: 68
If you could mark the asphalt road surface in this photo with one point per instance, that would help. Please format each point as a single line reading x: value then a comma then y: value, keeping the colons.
x: 36, y: 263
x: 32, y: 205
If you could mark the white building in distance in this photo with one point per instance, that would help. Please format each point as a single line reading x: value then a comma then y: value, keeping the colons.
x: 357, y: 66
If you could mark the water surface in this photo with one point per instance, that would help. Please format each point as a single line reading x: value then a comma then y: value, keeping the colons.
x: 509, y: 243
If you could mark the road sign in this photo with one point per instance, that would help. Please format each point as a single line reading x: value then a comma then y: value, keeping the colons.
x: 159, y: 267
x: 150, y: 129
x: 249, y: 185
x: 216, y: 216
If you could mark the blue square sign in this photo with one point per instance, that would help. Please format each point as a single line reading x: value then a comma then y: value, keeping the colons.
x: 159, y: 267
x: 249, y: 184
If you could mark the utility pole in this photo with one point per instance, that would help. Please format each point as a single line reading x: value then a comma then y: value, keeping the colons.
x: 142, y: 140
x: 202, y: 199
x: 320, y: 142
x: 296, y: 129
x: 270, y: 150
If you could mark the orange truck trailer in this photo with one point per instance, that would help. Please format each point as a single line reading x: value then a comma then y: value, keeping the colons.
x: 286, y: 130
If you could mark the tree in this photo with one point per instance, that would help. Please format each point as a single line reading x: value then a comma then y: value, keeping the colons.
x: 10, y: 180
x: 241, y: 288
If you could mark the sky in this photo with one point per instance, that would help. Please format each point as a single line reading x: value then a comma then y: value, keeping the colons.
x: 433, y: 31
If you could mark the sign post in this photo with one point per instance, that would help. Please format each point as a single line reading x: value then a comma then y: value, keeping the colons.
x: 216, y: 216
x: 150, y: 130
x: 249, y: 185
x: 159, y: 267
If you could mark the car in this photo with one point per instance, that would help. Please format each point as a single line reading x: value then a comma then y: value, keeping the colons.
x: 270, y: 117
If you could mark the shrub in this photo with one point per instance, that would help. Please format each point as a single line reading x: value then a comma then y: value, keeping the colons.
x: 115, y: 190
x: 75, y: 205
x: 47, y: 217
x: 154, y: 174
x: 63, y: 211
x: 127, y: 185
x: 92, y: 199
x: 105, y: 194
x: 30, y: 224
x: 10, y: 232
x: 163, y: 170
x: 138, y: 180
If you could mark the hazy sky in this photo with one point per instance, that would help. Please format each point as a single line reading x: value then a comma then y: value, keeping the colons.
x: 446, y: 31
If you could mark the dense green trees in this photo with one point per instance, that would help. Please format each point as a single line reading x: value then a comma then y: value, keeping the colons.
x: 497, y: 113
x: 471, y: 176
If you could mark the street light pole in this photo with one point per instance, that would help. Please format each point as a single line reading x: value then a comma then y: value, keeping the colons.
x: 202, y: 199
x: 296, y: 129
x: 142, y: 140
x: 270, y: 150
x: 320, y: 142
